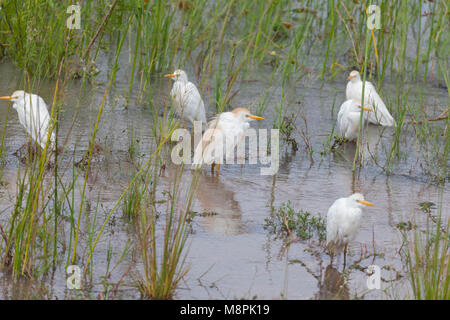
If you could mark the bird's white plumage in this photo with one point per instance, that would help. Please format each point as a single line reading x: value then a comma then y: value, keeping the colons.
x: 343, y: 219
x: 381, y: 114
x: 348, y: 119
x: 224, y: 133
x: 186, y: 99
x: 33, y: 116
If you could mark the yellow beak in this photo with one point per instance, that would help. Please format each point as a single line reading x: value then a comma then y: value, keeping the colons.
x: 255, y: 117
x: 350, y: 77
x: 367, y: 109
x: 170, y: 75
x: 6, y: 98
x: 364, y: 202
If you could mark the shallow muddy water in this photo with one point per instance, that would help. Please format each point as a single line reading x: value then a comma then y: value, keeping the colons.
x: 230, y: 254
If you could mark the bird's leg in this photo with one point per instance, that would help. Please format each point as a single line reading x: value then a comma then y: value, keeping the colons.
x: 218, y: 167
x: 212, y: 167
x: 345, y: 254
x: 184, y: 125
x: 331, y: 254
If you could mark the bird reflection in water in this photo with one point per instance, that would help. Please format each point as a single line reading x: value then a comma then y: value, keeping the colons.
x: 332, y: 286
x: 221, y: 212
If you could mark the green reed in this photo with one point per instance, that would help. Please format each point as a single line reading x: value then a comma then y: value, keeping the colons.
x: 427, y: 254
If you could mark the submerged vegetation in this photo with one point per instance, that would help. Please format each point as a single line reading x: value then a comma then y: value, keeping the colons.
x: 122, y: 49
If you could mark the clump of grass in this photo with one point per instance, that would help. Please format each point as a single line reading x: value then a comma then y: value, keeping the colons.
x: 286, y: 221
x: 428, y: 256
x: 28, y: 235
x: 163, y: 248
x: 132, y: 202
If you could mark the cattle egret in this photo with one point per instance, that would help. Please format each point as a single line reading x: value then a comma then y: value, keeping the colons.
x: 349, y: 118
x: 186, y: 99
x: 343, y: 221
x: 33, y: 116
x: 381, y: 114
x: 224, y: 133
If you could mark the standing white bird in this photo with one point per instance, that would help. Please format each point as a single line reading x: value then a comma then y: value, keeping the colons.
x: 381, y: 114
x: 186, y: 99
x: 348, y: 119
x: 33, y: 116
x: 343, y: 222
x: 225, y: 132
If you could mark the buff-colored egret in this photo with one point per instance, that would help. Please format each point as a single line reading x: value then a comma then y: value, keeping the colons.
x: 348, y: 119
x: 224, y: 133
x: 343, y: 220
x: 33, y: 116
x: 381, y: 114
x: 186, y: 99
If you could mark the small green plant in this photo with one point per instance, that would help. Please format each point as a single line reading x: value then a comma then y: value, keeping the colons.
x: 405, y: 226
x: 427, y: 206
x: 338, y: 142
x: 285, y: 221
x: 287, y: 130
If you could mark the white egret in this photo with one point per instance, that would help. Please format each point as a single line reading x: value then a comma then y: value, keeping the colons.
x: 186, y: 99
x: 33, y: 116
x: 348, y: 119
x: 381, y: 114
x: 225, y: 132
x: 343, y: 221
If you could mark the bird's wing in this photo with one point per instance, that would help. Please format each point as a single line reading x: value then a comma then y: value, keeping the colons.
x: 234, y: 133
x: 203, y: 150
x: 332, y: 223
x: 381, y: 114
x: 345, y: 117
x: 193, y: 104
x: 342, y: 121
x: 42, y: 119
x: 350, y: 224
x: 24, y: 118
x: 27, y: 110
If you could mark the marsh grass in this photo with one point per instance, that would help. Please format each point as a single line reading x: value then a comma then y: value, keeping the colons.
x: 163, y: 249
x: 167, y: 34
x: 427, y: 254
x: 29, y: 237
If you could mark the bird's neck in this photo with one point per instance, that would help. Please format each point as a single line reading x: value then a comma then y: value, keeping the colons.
x: 182, y: 80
